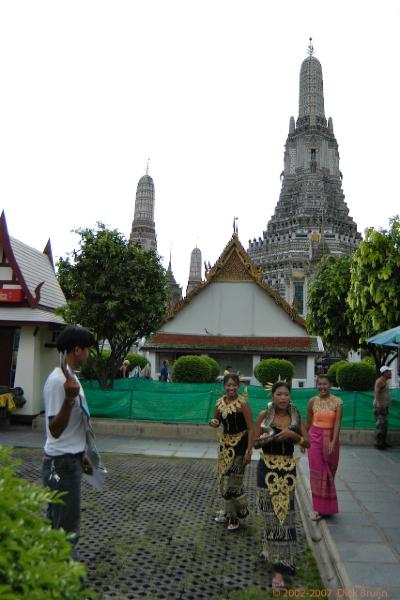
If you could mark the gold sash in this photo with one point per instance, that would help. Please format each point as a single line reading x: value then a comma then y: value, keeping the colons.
x: 279, y: 487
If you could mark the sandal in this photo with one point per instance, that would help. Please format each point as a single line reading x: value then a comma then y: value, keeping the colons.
x: 316, y: 517
x: 277, y: 584
x: 233, y: 525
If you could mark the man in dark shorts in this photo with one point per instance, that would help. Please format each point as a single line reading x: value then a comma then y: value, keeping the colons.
x: 381, y: 407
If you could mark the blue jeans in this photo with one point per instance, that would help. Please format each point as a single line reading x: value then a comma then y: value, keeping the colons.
x: 64, y: 474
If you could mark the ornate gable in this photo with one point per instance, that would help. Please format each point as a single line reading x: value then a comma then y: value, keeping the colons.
x: 235, y: 265
x: 233, y: 269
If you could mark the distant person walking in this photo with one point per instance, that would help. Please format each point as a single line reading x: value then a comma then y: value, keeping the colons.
x: 235, y: 448
x: 135, y: 372
x: 164, y: 373
x: 324, y: 417
x: 124, y: 370
x: 65, y: 459
x: 382, y: 402
x: 146, y: 371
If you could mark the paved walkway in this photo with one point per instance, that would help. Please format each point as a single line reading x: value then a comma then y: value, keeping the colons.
x: 365, y: 535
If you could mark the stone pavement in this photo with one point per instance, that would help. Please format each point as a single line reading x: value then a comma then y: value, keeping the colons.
x: 363, y: 539
x: 365, y: 535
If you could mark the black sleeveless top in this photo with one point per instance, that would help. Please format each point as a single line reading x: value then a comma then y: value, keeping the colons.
x: 234, y: 423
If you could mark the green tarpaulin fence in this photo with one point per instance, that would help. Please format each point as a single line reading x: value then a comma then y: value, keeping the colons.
x: 147, y: 400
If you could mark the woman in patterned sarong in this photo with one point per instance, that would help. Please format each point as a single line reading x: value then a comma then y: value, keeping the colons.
x: 324, y: 415
x: 276, y: 431
x: 235, y: 447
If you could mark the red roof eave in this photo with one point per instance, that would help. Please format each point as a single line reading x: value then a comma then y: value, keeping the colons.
x: 301, y: 344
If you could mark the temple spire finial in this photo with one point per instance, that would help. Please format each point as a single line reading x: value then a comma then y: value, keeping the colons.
x: 147, y: 166
x: 310, y: 48
x: 235, y: 225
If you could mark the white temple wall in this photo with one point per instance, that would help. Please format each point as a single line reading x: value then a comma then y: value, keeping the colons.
x: 230, y: 309
x: 34, y: 363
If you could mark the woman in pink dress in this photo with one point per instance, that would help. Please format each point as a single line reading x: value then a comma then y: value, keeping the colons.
x: 324, y: 416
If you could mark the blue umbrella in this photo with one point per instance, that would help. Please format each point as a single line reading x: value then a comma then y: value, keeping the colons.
x: 390, y: 338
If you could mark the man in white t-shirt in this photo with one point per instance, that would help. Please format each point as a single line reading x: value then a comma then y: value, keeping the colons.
x: 65, y: 457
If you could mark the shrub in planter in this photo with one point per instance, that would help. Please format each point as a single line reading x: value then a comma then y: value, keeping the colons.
x: 214, y: 366
x: 369, y: 360
x: 332, y: 371
x: 270, y: 370
x: 191, y: 369
x: 35, y: 560
x: 356, y: 376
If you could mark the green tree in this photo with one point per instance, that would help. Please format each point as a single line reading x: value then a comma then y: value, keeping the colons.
x: 116, y: 290
x: 329, y: 314
x: 374, y: 294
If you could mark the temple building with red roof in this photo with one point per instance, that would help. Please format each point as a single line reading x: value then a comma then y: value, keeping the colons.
x: 29, y: 296
x: 234, y: 317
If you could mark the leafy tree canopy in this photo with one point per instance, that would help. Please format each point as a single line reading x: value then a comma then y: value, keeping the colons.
x: 353, y: 298
x: 329, y: 315
x: 115, y: 289
x: 374, y: 294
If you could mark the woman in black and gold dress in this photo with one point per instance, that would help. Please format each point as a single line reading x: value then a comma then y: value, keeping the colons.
x: 235, y: 447
x: 276, y: 431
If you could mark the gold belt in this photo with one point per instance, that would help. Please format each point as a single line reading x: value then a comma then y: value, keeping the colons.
x: 231, y: 439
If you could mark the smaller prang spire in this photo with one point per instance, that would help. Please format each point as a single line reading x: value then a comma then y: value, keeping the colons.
x: 195, y: 270
x: 175, y: 291
x: 143, y: 226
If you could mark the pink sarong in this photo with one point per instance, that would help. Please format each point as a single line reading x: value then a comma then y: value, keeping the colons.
x: 323, y: 468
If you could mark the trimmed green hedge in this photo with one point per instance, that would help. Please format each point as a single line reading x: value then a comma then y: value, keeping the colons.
x: 270, y: 370
x: 332, y: 371
x: 35, y: 559
x: 191, y: 369
x: 214, y: 366
x: 356, y: 376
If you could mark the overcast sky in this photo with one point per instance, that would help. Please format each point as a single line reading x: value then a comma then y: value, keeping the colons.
x: 205, y: 88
